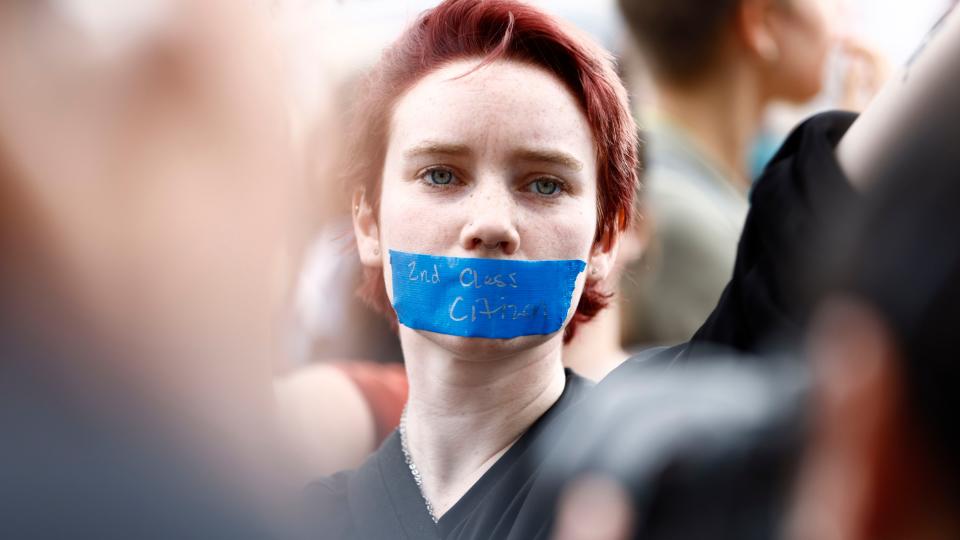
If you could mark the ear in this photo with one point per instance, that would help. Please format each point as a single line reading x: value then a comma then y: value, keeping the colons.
x: 603, y: 256
x: 756, y: 30
x: 367, y: 230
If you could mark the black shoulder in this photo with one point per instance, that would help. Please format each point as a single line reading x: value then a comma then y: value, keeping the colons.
x: 327, y: 507
x: 332, y: 485
x: 792, y: 205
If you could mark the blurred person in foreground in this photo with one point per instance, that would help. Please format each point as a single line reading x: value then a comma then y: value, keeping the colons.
x: 146, y: 181
x: 714, y: 67
x: 862, y: 445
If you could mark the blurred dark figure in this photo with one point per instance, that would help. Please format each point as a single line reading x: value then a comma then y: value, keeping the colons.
x: 145, y: 194
x: 704, y: 450
x: 866, y: 447
x: 865, y: 443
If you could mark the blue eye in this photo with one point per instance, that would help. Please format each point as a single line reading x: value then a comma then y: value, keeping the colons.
x: 439, y: 177
x: 546, y: 186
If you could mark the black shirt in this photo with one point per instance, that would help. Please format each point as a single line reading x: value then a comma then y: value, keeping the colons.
x: 791, y: 203
x: 381, y: 499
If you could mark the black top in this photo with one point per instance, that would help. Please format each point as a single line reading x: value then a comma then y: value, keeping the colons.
x: 381, y: 499
x: 791, y: 202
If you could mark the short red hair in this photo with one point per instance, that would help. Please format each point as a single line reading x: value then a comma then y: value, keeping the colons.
x: 502, y: 30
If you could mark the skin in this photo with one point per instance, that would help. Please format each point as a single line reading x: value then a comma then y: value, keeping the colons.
x: 802, y: 34
x: 470, y: 399
x: 319, y: 404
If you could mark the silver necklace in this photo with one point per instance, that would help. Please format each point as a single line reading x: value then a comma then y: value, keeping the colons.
x: 417, y: 478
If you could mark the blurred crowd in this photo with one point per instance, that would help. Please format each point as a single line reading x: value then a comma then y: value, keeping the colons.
x: 182, y: 346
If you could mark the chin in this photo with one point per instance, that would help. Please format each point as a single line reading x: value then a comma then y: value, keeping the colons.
x: 486, y: 349
x: 803, y: 88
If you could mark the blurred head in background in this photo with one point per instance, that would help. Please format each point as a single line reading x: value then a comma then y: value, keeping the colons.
x: 715, y: 66
x: 711, y: 68
x: 783, y: 44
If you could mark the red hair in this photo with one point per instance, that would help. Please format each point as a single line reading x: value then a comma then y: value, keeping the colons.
x: 502, y: 30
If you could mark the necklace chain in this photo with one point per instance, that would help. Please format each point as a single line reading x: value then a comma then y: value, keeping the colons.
x: 417, y: 478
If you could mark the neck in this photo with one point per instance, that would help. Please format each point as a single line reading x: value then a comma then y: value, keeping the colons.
x: 463, y: 413
x: 596, y: 350
x: 721, y: 114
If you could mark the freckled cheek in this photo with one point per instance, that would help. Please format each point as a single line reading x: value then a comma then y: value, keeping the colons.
x: 566, y: 235
x: 416, y: 222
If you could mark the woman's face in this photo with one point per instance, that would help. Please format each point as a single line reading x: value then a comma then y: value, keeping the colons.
x: 500, y: 163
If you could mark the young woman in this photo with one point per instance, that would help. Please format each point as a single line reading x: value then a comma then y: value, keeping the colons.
x: 494, y: 169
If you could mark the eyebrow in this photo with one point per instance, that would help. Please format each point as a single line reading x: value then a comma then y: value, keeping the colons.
x: 434, y: 148
x: 556, y: 157
x: 550, y: 156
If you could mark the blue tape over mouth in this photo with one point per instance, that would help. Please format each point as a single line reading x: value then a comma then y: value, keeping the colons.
x: 488, y: 298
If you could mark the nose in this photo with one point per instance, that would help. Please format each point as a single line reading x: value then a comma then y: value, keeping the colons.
x: 492, y: 228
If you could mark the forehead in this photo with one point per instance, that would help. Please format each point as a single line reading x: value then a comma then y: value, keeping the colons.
x: 502, y: 104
